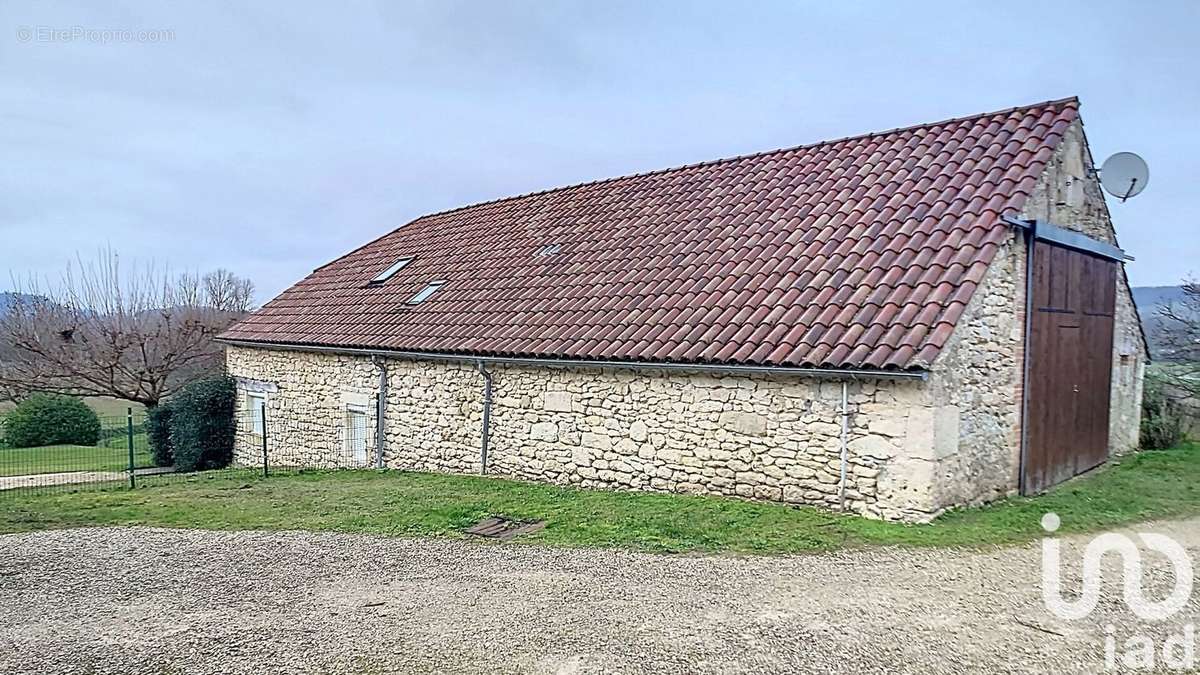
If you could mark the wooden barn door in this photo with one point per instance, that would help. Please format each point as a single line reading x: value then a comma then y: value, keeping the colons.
x: 1070, y: 368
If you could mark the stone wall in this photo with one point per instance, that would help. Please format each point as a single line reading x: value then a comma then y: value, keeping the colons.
x: 976, y: 384
x: 1069, y: 195
x: 763, y: 437
x: 308, y: 398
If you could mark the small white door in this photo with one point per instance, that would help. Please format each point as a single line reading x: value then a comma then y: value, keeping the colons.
x: 356, y: 435
x: 255, y: 401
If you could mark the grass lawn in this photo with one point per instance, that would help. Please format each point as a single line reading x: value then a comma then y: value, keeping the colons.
x: 1164, y: 484
x: 111, y: 455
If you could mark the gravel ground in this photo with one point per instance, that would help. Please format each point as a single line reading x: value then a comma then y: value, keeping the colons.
x: 140, y: 600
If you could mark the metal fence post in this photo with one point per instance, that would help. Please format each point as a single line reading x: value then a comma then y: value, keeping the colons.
x: 129, y: 436
x: 263, y: 412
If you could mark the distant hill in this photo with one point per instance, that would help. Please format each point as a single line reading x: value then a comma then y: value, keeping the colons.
x: 8, y: 299
x: 1149, y: 300
x: 1148, y: 297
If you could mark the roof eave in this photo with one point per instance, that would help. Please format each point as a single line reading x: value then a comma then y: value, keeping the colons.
x: 742, y: 369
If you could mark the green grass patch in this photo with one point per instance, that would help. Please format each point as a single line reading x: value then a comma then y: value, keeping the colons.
x: 1146, y: 486
x: 111, y: 455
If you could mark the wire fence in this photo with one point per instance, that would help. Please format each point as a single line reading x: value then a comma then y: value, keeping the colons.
x: 263, y: 443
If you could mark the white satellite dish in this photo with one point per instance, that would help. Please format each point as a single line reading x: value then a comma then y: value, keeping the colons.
x: 1124, y: 175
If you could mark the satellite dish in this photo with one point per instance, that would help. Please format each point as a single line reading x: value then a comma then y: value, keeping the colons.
x: 1124, y: 175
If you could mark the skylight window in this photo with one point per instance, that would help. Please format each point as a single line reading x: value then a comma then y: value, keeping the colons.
x: 549, y: 249
x: 423, y: 294
x: 396, y: 267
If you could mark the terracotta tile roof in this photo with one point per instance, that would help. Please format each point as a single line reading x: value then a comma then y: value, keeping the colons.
x: 857, y: 253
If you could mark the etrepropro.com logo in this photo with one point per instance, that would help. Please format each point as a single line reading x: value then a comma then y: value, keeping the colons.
x: 1177, y: 651
x: 93, y: 34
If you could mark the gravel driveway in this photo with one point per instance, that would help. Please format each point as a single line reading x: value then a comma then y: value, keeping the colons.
x: 135, y: 600
x: 74, y: 477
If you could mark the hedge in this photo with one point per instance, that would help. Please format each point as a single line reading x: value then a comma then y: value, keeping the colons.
x: 158, y: 432
x: 1162, y: 421
x: 50, y: 419
x: 202, y: 424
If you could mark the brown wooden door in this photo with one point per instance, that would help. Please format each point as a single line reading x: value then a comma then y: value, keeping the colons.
x: 1070, y: 368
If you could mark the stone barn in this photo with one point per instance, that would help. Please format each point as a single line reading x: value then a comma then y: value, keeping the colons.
x: 892, y: 324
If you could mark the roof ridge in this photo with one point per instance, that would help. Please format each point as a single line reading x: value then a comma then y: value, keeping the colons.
x: 798, y: 248
x: 734, y: 158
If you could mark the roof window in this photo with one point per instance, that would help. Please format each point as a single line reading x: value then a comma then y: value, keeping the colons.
x: 549, y: 249
x: 423, y: 294
x: 387, y: 274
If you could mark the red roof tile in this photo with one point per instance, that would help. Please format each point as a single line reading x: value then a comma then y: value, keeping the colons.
x: 855, y: 253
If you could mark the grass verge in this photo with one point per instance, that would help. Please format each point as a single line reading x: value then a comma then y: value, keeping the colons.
x: 111, y: 455
x: 1149, y: 485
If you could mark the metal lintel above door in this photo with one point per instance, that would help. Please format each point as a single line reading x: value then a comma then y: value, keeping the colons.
x: 1047, y: 231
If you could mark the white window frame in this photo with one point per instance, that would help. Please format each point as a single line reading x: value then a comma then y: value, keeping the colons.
x: 354, y: 410
x: 391, y: 271
x: 255, y: 400
x: 423, y: 294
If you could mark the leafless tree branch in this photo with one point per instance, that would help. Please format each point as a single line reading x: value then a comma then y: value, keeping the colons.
x: 104, y: 331
x: 1180, y: 323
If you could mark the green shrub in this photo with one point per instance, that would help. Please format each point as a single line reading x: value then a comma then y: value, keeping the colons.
x: 202, y: 424
x: 1162, y: 420
x: 49, y: 419
x: 158, y: 431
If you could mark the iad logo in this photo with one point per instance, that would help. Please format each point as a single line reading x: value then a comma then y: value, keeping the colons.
x: 1138, y: 652
x: 1090, y: 594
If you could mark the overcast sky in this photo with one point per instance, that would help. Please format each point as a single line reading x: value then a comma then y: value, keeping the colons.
x: 270, y: 139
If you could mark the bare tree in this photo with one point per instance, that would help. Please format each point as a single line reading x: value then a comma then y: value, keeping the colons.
x: 227, y: 292
x: 103, y: 332
x: 1180, y: 325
